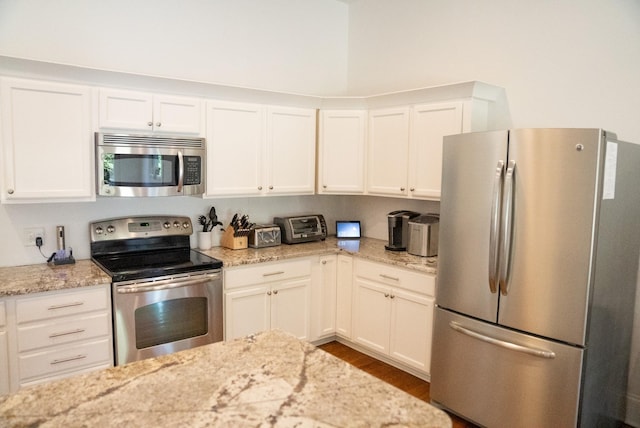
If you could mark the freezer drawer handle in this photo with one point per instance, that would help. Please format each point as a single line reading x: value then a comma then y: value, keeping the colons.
x: 495, y: 227
x: 508, y: 345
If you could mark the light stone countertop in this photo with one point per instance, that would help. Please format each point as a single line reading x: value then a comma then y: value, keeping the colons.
x: 367, y: 248
x: 17, y: 280
x: 267, y: 379
x: 37, y: 278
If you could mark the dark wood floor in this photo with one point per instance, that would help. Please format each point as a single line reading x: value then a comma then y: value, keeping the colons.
x: 396, y: 377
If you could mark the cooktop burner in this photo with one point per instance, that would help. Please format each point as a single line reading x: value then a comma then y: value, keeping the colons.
x: 146, y: 247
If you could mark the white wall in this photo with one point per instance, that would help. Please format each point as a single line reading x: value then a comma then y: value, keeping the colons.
x: 282, y: 45
x: 564, y: 63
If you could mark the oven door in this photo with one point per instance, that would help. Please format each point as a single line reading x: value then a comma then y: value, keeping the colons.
x: 163, y: 315
x: 149, y: 171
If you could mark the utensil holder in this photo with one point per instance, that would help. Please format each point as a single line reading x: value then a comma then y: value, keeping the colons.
x: 233, y: 242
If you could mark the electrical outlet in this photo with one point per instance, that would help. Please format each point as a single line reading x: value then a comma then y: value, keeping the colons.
x: 30, y: 234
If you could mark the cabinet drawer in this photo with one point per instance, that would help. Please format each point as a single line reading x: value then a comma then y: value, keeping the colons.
x: 41, y: 335
x: 3, y: 315
x: 266, y: 272
x: 396, y: 277
x: 66, y: 359
x: 50, y: 305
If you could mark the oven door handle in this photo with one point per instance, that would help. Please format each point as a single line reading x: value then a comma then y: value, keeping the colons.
x: 166, y: 284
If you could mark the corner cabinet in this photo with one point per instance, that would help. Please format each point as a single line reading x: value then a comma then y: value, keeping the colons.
x: 255, y: 150
x: 268, y: 296
x: 393, y: 313
x: 341, y: 151
x: 141, y: 111
x: 47, y: 142
x: 405, y: 148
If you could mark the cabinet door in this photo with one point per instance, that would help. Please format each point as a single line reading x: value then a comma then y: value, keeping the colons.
x: 388, y: 144
x: 177, y: 114
x: 235, y: 149
x: 290, y: 307
x: 126, y: 110
x: 411, y: 327
x: 247, y: 311
x: 342, y: 151
x: 47, y: 141
x: 4, y: 363
x: 344, y: 289
x: 429, y: 124
x: 372, y: 314
x: 291, y: 151
x: 326, y: 298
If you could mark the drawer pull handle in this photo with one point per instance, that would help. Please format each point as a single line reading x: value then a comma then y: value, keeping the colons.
x: 66, y: 305
x: 66, y: 360
x: 66, y: 333
x: 393, y: 278
x: 280, y: 272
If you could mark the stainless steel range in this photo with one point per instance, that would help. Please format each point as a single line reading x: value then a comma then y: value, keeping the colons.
x: 166, y: 296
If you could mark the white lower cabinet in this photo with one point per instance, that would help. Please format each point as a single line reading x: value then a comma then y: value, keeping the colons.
x: 59, y: 334
x: 4, y: 351
x: 344, y: 291
x: 393, y: 312
x: 323, y: 297
x: 268, y: 296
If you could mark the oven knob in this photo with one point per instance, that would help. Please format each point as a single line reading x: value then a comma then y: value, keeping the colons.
x: 176, y: 224
x: 99, y: 230
x: 110, y: 229
x: 185, y: 225
x: 166, y: 225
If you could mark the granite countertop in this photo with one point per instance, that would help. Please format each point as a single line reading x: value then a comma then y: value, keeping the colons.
x: 18, y: 280
x: 267, y: 379
x: 367, y: 248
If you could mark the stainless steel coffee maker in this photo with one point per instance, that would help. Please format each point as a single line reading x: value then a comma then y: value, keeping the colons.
x: 399, y: 229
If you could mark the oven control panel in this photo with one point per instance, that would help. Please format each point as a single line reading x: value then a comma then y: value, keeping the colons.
x: 139, y: 227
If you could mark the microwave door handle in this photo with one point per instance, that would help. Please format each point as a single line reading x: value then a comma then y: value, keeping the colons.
x: 180, y: 171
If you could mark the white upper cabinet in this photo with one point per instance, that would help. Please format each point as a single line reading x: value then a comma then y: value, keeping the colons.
x: 341, y: 154
x: 47, y: 142
x: 260, y: 150
x: 388, y: 151
x: 291, y: 151
x: 235, y: 148
x: 429, y: 124
x: 141, y: 111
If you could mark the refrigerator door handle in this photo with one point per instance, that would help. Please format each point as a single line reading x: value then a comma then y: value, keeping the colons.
x: 505, y: 250
x: 495, y: 227
x: 542, y: 353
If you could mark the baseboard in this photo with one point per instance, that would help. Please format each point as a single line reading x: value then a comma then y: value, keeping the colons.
x: 633, y: 410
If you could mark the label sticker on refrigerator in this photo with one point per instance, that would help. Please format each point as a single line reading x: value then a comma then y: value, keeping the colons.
x: 610, y: 166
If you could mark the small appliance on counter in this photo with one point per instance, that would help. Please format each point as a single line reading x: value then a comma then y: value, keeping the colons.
x: 399, y: 229
x: 306, y: 228
x: 265, y: 235
x: 64, y: 255
x: 423, y: 235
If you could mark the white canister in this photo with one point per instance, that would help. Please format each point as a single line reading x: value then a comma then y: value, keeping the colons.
x: 204, y: 240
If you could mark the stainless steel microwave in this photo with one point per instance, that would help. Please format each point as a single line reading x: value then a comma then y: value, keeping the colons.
x: 147, y: 165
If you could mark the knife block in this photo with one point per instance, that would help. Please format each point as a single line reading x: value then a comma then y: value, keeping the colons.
x: 233, y: 242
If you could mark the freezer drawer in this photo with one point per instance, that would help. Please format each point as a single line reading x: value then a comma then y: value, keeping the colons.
x: 500, y: 378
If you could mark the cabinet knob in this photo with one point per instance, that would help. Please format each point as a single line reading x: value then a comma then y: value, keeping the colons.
x: 158, y: 124
x: 393, y: 296
x: 268, y: 293
x: 386, y: 294
x: 412, y: 189
x: 275, y: 291
x: 324, y: 262
x: 402, y: 189
x: 270, y: 187
x: 259, y: 187
x: 324, y: 186
x: 10, y: 191
x: 149, y: 123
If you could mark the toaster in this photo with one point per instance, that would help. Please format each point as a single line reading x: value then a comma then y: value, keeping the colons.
x: 264, y: 235
x: 297, y: 229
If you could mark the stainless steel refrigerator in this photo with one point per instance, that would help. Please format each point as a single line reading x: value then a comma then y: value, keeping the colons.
x: 538, y: 259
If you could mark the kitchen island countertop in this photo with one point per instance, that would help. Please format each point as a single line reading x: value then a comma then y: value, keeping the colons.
x: 267, y: 379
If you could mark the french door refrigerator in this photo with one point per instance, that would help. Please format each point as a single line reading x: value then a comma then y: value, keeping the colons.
x: 538, y: 259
